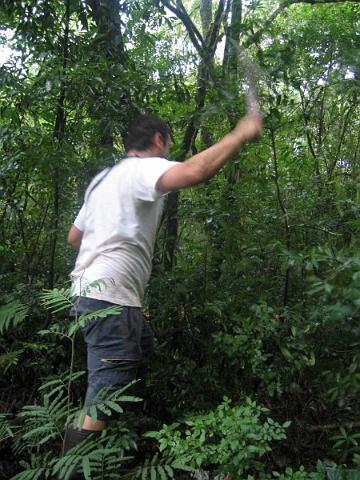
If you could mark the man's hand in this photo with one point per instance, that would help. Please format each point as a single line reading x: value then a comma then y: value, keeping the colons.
x: 207, y: 163
x: 249, y: 127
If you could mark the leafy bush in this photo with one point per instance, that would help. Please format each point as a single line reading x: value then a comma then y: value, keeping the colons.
x: 230, y: 439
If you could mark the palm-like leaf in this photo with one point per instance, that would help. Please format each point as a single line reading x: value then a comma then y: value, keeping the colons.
x: 45, y: 422
x: 12, y: 314
x: 9, y: 359
x: 6, y: 430
x: 87, y: 317
x: 57, y: 299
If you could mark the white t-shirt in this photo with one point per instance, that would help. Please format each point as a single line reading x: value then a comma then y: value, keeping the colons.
x: 119, y: 220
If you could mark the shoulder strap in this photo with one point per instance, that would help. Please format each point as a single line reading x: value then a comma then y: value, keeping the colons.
x: 106, y: 173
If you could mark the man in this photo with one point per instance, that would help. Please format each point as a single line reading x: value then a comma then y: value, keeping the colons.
x: 115, y: 235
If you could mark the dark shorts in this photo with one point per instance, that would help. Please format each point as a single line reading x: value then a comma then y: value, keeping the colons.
x: 119, y: 347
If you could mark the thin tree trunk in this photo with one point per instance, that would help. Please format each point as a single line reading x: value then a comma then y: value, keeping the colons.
x: 205, y: 67
x: 59, y: 132
x: 231, y: 71
x: 285, y: 217
x: 106, y: 15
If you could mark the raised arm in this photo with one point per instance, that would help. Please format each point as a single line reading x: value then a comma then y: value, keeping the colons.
x: 207, y: 163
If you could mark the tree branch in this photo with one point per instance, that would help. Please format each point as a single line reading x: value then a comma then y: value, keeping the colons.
x: 285, y: 4
x: 194, y: 34
x: 214, y: 33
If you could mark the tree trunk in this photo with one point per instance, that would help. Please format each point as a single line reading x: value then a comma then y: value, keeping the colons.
x: 204, y: 69
x: 59, y: 131
x: 106, y: 15
x: 287, y: 229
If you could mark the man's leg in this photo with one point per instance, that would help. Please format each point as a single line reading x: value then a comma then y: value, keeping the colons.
x: 116, y: 347
x: 94, y: 427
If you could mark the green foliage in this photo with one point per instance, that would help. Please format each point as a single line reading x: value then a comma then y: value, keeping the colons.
x: 346, y: 383
x: 338, y: 284
x: 324, y: 471
x: 57, y: 299
x: 44, y: 422
x: 6, y: 429
x: 240, y: 343
x: 230, y: 438
x: 158, y: 468
x: 91, y: 458
x: 31, y: 473
x: 88, y: 458
x: 44, y: 426
x: 12, y: 315
x: 262, y: 299
x: 84, y: 318
x: 346, y: 443
x: 10, y: 359
x: 110, y: 404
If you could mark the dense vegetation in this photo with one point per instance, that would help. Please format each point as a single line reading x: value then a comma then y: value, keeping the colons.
x: 255, y: 294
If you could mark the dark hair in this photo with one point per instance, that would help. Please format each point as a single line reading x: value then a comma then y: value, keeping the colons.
x: 142, y: 130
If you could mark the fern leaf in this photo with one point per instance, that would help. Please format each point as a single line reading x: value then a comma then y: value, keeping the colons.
x: 12, y: 314
x: 31, y: 474
x: 57, y: 299
x: 36, y: 432
x: 87, y: 317
x: 96, y: 284
x: 5, y: 428
x: 45, y: 422
x: 10, y: 359
x: 86, y: 468
x: 93, y: 414
x: 57, y: 403
x: 32, y: 411
x: 113, y: 406
x: 153, y: 473
x: 169, y: 471
x: 144, y: 473
x: 162, y: 473
x: 103, y: 313
x: 128, y: 398
x: 61, y: 383
x: 103, y: 407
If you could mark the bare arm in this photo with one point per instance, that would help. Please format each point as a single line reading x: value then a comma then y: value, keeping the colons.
x: 74, y: 237
x: 207, y: 163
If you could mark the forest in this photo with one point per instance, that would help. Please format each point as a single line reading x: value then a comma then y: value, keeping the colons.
x: 254, y: 297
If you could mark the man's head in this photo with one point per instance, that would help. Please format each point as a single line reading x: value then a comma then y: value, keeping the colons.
x: 148, y: 132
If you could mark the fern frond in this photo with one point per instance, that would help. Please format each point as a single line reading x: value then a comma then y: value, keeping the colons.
x: 59, y: 384
x: 109, y: 403
x: 96, y: 458
x: 87, y: 456
x: 87, y: 317
x: 55, y: 329
x: 160, y: 468
x: 5, y: 428
x: 34, y: 469
x: 10, y: 359
x: 12, y: 314
x: 57, y: 299
x: 41, y: 433
x: 45, y: 422
x: 31, y: 474
x: 35, y: 347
